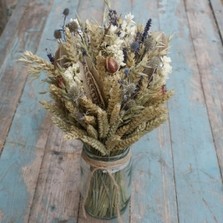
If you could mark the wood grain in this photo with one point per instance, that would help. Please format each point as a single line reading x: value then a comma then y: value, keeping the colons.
x: 217, y: 10
x: 26, y: 35
x: 197, y: 174
x: 177, y: 168
x: 57, y: 192
x: 3, y: 15
x: 208, y: 50
x: 23, y: 151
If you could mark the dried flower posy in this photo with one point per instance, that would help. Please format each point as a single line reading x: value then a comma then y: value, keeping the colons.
x: 107, y: 82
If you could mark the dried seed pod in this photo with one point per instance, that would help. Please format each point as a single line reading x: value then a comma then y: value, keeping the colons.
x: 66, y: 11
x: 111, y: 65
x: 57, y: 34
x: 135, y: 46
x: 72, y: 26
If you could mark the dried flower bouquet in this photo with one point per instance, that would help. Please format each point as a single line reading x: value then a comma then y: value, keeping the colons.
x: 107, y: 82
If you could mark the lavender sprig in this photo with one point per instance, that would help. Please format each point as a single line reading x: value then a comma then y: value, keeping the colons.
x: 113, y: 17
x: 146, y: 30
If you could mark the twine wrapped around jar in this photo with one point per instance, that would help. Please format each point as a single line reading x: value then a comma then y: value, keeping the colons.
x: 103, y: 176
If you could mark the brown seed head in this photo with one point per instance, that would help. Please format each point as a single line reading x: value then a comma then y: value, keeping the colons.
x: 66, y: 11
x: 72, y: 26
x: 57, y: 34
x: 111, y: 65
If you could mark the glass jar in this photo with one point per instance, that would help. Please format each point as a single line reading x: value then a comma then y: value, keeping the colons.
x: 105, y: 183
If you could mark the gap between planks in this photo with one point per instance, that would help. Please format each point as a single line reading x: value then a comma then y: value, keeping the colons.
x: 202, y: 68
x: 217, y: 11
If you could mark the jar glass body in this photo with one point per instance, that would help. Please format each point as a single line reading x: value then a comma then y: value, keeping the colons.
x: 106, y: 190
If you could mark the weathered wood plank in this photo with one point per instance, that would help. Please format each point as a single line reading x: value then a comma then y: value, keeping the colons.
x: 22, y: 156
x: 13, y: 75
x: 11, y: 28
x: 217, y: 10
x: 125, y: 217
x: 154, y: 197
x: 8, y: 36
x: 57, y: 192
x: 3, y: 15
x: 208, y: 48
x: 198, y: 180
x: 91, y: 10
x: 19, y: 167
x: 197, y: 174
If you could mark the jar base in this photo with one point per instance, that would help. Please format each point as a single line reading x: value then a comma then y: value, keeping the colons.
x: 122, y: 211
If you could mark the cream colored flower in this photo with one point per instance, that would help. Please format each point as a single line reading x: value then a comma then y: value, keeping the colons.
x: 129, y: 18
x: 70, y: 76
x: 116, y: 50
x: 167, y: 68
x: 128, y: 28
x: 113, y: 29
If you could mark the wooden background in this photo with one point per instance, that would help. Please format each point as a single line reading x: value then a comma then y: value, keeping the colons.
x: 177, y: 168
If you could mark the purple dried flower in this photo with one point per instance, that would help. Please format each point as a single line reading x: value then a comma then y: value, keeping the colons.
x: 126, y: 72
x: 113, y: 17
x: 50, y: 56
x: 135, y: 46
x: 146, y: 29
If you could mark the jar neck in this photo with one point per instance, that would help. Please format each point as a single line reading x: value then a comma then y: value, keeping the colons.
x: 90, y: 154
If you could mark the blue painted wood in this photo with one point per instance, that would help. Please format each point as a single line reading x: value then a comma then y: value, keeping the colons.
x: 154, y: 198
x: 181, y: 153
x: 26, y: 34
x: 198, y: 180
x: 208, y: 48
x: 22, y: 146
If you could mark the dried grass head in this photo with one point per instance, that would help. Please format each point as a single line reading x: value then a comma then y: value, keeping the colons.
x: 107, y: 82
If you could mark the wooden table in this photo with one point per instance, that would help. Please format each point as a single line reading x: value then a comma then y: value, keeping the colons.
x: 177, y: 168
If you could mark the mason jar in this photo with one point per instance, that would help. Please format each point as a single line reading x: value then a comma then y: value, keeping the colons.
x: 105, y: 183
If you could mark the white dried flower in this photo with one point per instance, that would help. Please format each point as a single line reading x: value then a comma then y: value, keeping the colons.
x: 76, y: 21
x: 113, y: 29
x: 167, y: 68
x: 116, y: 51
x: 129, y: 18
x: 128, y: 28
x: 70, y: 76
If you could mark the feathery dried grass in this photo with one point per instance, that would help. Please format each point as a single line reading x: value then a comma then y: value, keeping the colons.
x: 107, y: 90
